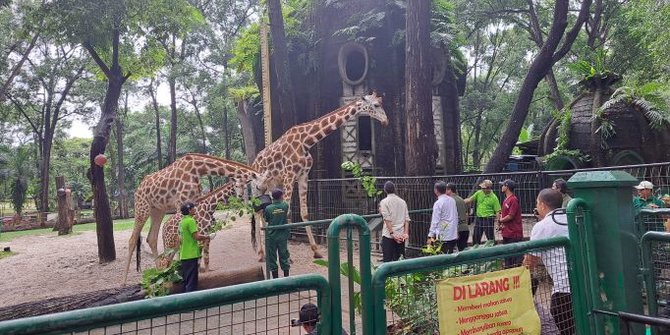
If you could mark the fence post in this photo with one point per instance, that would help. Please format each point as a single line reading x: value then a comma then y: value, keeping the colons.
x: 334, y: 270
x: 617, y: 262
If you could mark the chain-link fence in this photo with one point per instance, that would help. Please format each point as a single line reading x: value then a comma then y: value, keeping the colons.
x: 405, y: 291
x: 266, y: 307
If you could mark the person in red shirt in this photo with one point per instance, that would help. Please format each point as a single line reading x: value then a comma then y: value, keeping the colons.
x: 509, y: 223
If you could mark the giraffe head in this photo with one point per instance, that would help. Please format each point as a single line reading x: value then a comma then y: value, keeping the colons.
x: 372, y: 104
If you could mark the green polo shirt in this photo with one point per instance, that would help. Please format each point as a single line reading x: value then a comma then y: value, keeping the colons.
x: 189, y: 248
x: 639, y: 203
x: 277, y: 214
x: 488, y: 205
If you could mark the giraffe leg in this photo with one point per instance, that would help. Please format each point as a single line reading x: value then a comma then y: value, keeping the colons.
x: 152, y: 238
x: 205, y: 256
x: 170, y: 243
x: 261, y: 237
x: 304, y: 214
x: 140, y: 219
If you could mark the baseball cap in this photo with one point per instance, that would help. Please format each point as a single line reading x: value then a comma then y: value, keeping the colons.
x: 486, y: 184
x: 645, y: 185
x: 508, y: 182
x: 277, y: 193
x: 308, y: 313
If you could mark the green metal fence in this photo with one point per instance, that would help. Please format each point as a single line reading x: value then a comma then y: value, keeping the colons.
x: 656, y: 271
x: 404, y: 292
x: 265, y: 307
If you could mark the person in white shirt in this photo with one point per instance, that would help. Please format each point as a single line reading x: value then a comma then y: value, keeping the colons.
x: 444, y: 222
x: 396, y: 224
x: 552, y: 224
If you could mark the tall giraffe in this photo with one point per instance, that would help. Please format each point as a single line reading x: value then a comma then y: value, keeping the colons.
x: 205, y: 206
x: 177, y: 183
x: 287, y: 160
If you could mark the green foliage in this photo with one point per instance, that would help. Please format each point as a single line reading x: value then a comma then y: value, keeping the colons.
x: 236, y: 208
x: 247, y: 49
x: 565, y: 123
x: 156, y: 283
x: 20, y: 164
x: 577, y: 154
x: 368, y: 181
x: 649, y: 99
x: 355, y: 276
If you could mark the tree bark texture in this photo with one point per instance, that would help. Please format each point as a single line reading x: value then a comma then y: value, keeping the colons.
x: 244, y: 114
x: 64, y: 224
x: 120, y: 170
x: 281, y: 67
x: 549, y: 54
x: 420, y: 146
x: 452, y: 121
x: 172, y: 145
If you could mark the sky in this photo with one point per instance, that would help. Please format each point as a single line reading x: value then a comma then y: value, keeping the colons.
x: 83, y: 130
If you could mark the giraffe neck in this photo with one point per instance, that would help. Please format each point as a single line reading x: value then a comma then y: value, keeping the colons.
x: 209, y: 202
x: 203, y: 165
x: 318, y: 129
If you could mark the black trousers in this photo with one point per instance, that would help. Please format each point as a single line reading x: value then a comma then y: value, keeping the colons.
x: 463, y: 239
x: 511, y: 262
x: 189, y: 274
x: 561, y: 310
x: 448, y: 246
x: 483, y: 226
x: 392, y: 250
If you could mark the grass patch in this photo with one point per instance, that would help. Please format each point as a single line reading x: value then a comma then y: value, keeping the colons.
x: 5, y: 254
x: 119, y: 225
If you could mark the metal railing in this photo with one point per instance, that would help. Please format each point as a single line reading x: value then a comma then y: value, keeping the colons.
x: 329, y: 198
x: 656, y: 271
x: 412, y: 306
x: 264, y: 307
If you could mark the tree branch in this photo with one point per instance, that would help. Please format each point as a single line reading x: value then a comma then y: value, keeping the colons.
x: 25, y: 115
x: 17, y: 67
x: 572, y: 34
x: 97, y: 59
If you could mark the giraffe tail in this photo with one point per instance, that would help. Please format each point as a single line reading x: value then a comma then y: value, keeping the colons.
x: 254, y: 243
x: 138, y: 255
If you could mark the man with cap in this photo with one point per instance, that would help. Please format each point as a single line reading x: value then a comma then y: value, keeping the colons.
x: 189, y: 249
x: 510, y: 224
x: 308, y: 318
x: 646, y: 198
x: 396, y: 224
x: 486, y: 209
x: 276, y: 214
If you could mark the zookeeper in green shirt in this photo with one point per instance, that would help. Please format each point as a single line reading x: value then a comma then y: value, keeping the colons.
x: 646, y: 198
x: 189, y: 249
x: 277, y: 239
x: 486, y: 210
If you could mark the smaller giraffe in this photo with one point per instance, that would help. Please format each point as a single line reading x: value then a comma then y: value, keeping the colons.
x: 204, y: 216
x: 173, y: 185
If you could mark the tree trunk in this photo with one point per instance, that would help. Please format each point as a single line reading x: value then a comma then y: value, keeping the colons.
x: 64, y: 224
x: 476, y: 148
x: 554, y: 92
x: 248, y: 130
x: 281, y: 66
x: 159, y: 150
x: 17, y: 68
x: 120, y: 169
x: 596, y: 139
x: 452, y: 121
x: 539, y: 68
x: 172, y: 146
x: 420, y: 147
x: 226, y: 133
x: 45, y: 163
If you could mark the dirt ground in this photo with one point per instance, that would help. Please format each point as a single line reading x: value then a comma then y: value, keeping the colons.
x: 52, y: 266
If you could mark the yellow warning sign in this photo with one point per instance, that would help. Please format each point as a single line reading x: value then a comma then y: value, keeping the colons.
x: 494, y: 303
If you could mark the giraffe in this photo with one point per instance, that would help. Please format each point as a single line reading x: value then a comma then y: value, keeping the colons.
x: 287, y: 160
x: 204, y: 216
x: 168, y: 188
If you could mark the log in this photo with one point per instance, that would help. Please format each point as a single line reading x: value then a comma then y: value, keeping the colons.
x: 212, y: 279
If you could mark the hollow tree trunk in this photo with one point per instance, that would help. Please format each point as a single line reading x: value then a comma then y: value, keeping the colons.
x: 420, y: 147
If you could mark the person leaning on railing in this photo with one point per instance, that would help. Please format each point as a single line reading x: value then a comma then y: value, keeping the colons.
x: 553, y: 224
x: 486, y: 209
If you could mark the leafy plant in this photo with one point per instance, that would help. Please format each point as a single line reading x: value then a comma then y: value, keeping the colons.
x: 355, y: 276
x: 648, y: 99
x: 368, y: 182
x: 157, y: 282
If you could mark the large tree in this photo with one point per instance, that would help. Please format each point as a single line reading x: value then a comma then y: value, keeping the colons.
x: 551, y: 52
x: 113, y: 33
x: 420, y: 144
x: 42, y: 101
